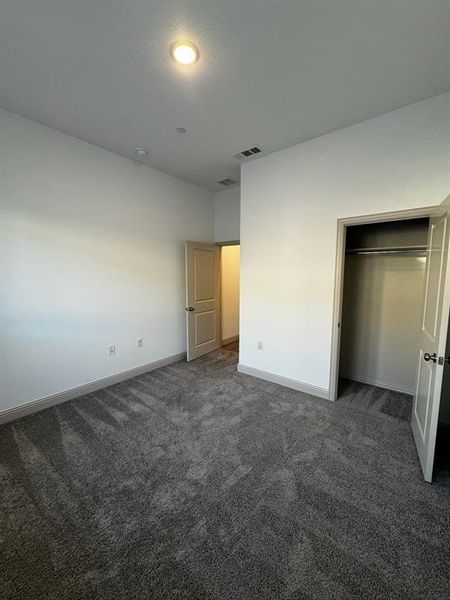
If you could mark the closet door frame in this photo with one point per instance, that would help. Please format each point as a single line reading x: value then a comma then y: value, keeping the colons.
x: 342, y: 224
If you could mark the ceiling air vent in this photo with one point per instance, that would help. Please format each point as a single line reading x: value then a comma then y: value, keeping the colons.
x: 227, y: 182
x: 247, y: 153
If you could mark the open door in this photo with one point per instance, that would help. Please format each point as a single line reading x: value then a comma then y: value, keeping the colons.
x: 202, y: 298
x: 425, y: 411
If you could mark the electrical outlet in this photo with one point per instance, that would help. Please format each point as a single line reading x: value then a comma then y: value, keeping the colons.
x: 139, y: 342
x: 111, y: 349
x: 259, y: 345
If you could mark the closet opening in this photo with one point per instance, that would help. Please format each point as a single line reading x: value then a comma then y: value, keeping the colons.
x: 391, y: 321
x: 382, y: 303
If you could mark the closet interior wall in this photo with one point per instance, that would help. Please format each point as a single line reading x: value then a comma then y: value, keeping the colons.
x: 384, y: 281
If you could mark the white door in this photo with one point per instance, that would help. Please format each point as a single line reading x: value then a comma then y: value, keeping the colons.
x: 202, y: 298
x: 425, y: 411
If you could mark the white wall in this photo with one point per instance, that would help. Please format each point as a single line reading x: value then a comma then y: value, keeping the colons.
x: 93, y: 254
x: 227, y: 215
x: 230, y: 260
x: 290, y: 203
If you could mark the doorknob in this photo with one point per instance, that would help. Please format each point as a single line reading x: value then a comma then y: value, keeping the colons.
x: 432, y: 357
x: 189, y: 308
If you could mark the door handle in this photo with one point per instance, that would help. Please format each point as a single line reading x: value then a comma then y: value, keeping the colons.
x: 189, y: 308
x: 428, y: 357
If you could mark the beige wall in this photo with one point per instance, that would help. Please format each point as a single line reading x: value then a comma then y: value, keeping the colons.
x: 230, y: 291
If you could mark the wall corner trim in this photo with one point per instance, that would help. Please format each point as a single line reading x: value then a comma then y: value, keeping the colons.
x: 285, y: 381
x: 28, y: 408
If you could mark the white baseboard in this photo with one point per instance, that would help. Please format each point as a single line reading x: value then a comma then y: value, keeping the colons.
x: 380, y: 384
x: 285, y: 381
x: 230, y: 340
x: 16, y: 412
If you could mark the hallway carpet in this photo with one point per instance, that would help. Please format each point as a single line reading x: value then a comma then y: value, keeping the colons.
x: 197, y: 482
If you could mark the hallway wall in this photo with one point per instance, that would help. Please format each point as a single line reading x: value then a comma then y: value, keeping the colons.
x: 230, y: 291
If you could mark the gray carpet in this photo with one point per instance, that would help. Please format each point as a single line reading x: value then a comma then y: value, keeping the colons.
x: 197, y: 482
x: 360, y: 396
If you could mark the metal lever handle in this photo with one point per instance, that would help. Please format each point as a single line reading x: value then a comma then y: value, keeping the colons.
x: 189, y: 308
x: 428, y: 357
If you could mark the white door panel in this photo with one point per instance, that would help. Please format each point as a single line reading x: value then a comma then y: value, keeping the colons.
x: 434, y: 328
x: 423, y: 393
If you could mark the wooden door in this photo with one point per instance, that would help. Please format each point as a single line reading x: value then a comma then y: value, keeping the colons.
x: 202, y: 298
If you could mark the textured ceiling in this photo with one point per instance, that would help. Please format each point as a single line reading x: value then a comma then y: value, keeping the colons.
x: 271, y: 73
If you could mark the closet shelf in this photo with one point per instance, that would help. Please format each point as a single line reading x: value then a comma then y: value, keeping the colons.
x: 389, y: 250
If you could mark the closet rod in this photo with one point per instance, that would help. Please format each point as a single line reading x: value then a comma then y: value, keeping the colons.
x: 416, y: 250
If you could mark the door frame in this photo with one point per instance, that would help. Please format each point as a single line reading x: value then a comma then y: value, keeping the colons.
x: 342, y: 224
x: 221, y: 245
x: 232, y: 243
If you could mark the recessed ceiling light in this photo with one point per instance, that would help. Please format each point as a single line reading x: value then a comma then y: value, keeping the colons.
x: 184, y: 53
x: 140, y: 151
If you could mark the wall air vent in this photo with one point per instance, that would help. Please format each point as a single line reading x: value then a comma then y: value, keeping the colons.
x: 247, y: 153
x: 227, y: 182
